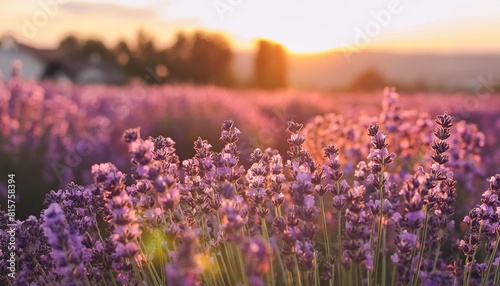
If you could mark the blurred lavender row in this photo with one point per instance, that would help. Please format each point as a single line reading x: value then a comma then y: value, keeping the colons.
x: 51, y: 134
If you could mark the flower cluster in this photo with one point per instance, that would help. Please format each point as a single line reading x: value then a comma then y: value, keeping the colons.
x: 66, y: 248
x: 483, y: 223
x: 411, y: 133
x: 302, y: 219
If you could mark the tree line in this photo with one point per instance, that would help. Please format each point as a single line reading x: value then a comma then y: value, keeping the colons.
x: 199, y: 58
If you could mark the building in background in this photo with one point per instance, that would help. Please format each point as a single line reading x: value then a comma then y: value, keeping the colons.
x: 52, y: 64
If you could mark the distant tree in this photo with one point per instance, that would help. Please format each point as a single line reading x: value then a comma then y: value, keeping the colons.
x: 368, y: 80
x: 210, y: 59
x: 148, y: 61
x: 95, y: 49
x: 71, y: 46
x: 122, y: 53
x: 419, y: 85
x: 126, y: 58
x: 270, y: 66
x: 146, y: 50
x: 177, y: 58
x: 202, y: 58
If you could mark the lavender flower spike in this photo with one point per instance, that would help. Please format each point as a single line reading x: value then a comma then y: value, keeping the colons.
x: 66, y: 247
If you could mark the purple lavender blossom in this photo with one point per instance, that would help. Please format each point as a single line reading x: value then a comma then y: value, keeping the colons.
x: 66, y: 246
x: 184, y: 270
x: 258, y: 260
x: 213, y: 206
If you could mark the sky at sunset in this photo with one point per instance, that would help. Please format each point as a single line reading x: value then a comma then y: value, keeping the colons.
x: 302, y: 26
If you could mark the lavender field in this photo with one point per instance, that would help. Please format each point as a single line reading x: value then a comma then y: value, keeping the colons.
x: 201, y: 185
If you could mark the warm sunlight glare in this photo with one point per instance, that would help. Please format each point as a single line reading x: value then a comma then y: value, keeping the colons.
x: 299, y: 46
x: 301, y: 42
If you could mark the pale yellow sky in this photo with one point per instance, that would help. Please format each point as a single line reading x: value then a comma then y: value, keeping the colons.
x: 443, y: 26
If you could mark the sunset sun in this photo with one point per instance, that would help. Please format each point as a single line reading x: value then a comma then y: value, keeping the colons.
x: 303, y: 46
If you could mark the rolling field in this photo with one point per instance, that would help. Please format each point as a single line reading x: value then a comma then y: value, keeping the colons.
x: 182, y: 185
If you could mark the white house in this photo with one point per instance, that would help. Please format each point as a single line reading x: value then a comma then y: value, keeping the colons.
x: 32, y: 65
x: 42, y: 64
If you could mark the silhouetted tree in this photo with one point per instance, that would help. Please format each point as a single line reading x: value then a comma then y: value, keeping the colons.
x: 177, y: 58
x: 200, y: 58
x: 210, y: 59
x: 203, y: 58
x: 122, y: 53
x: 141, y: 59
x: 146, y: 50
x: 127, y: 59
x: 270, y: 67
x: 70, y: 46
x: 96, y: 48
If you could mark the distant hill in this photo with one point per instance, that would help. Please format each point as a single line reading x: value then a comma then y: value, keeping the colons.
x: 333, y: 71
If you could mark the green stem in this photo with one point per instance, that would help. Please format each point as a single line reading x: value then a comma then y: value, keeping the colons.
x: 422, y: 248
x: 266, y: 236
x: 299, y: 280
x: 206, y: 279
x: 474, y: 255
x: 464, y: 278
x: 162, y: 262
x: 377, y: 250
x: 103, y: 242
x: 376, y: 255
x: 413, y: 252
x: 339, y: 238
x: 232, y: 271
x: 282, y: 266
x: 87, y: 282
x: 393, y: 276
x: 228, y: 255
x: 360, y: 272
x: 112, y: 277
x: 316, y: 271
x: 325, y: 233
x: 372, y: 234
x: 384, y: 257
x: 490, y: 262
x: 137, y: 273
x: 339, y: 241
x: 496, y: 280
x: 436, y: 253
x: 368, y: 273
x: 289, y: 276
x: 151, y: 278
x: 242, y: 267
x: 355, y: 277
x: 218, y: 277
x: 151, y: 268
x: 41, y: 267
